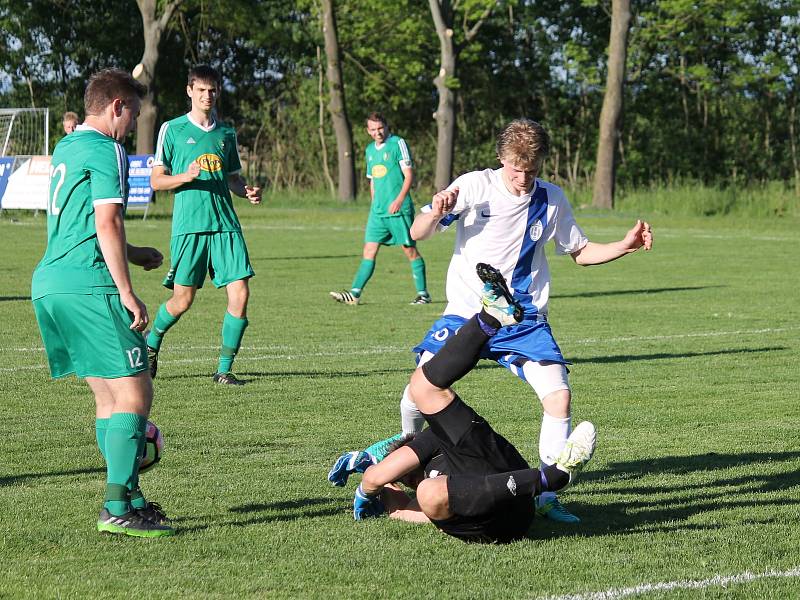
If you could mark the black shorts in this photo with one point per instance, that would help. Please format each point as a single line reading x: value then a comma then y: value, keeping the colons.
x: 473, y: 448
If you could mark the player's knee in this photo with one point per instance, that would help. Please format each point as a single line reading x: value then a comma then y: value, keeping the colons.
x: 432, y: 498
x: 557, y: 404
x: 180, y: 304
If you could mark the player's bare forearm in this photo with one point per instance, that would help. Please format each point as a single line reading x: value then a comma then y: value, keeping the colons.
x: 401, y: 506
x: 640, y: 236
x: 424, y: 226
x: 392, y: 468
x: 236, y: 185
x: 111, y: 238
x: 161, y: 180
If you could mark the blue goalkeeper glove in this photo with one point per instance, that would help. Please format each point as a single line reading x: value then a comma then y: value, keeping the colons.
x: 347, y: 464
x: 365, y: 506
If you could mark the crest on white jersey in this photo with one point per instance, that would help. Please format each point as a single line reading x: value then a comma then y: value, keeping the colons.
x: 536, y: 230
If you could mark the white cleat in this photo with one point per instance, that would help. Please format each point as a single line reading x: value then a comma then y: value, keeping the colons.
x: 345, y: 297
x: 578, y: 451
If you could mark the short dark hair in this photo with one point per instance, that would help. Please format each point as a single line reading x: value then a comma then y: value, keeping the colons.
x: 106, y: 86
x: 376, y: 116
x: 203, y: 73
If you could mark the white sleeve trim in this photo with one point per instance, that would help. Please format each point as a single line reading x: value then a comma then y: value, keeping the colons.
x: 107, y: 201
x: 158, y: 159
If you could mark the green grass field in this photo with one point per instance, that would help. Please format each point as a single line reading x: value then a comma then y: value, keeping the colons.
x: 686, y: 358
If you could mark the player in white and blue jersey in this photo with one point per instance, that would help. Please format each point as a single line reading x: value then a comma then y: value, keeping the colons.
x: 505, y: 217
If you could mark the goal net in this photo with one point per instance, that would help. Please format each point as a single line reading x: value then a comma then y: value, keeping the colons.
x: 24, y: 131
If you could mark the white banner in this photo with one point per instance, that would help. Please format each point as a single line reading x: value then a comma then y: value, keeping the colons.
x: 29, y: 185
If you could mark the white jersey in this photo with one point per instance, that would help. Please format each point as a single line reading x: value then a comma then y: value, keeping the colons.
x: 508, y: 232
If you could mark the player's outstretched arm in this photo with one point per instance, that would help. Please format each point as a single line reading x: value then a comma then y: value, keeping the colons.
x: 424, y: 225
x: 161, y: 179
x: 110, y: 229
x: 399, y: 463
x: 144, y: 256
x: 639, y: 236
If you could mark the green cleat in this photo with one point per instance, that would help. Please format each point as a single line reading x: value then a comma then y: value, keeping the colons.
x: 133, y: 524
x: 548, y: 506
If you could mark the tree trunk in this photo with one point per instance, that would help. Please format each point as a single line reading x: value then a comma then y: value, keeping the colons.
x: 445, y: 111
x: 154, y: 26
x: 337, y: 105
x: 610, y: 115
x: 321, y: 96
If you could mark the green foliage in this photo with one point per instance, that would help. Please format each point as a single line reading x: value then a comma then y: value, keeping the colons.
x: 709, y: 98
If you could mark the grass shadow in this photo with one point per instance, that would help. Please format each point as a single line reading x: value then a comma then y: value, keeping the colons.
x: 634, y: 292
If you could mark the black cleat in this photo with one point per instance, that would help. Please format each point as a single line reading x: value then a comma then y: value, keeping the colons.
x: 152, y: 360
x: 153, y: 512
x: 227, y: 379
x: 131, y: 523
x: 495, y: 289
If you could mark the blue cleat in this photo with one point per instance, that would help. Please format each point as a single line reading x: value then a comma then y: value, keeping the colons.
x: 347, y: 464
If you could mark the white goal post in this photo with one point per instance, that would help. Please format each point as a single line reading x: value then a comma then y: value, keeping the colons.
x: 24, y: 131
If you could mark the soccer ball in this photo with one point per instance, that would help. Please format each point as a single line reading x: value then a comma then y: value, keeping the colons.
x: 153, y: 447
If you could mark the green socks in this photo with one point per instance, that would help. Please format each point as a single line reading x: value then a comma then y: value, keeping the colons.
x: 124, y: 437
x: 100, y: 429
x: 161, y: 325
x: 365, y: 271
x: 418, y: 273
x: 232, y: 334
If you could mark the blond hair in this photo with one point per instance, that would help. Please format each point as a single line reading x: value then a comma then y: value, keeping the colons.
x: 523, y: 143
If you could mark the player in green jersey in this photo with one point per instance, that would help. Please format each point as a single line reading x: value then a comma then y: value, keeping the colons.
x: 390, y: 172
x: 88, y: 314
x: 197, y: 156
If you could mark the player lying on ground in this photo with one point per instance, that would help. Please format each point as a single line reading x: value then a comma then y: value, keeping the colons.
x: 505, y: 217
x: 470, y: 481
x: 88, y: 314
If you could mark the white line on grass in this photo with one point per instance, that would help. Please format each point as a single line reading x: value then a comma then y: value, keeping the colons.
x: 668, y: 586
x: 377, y: 349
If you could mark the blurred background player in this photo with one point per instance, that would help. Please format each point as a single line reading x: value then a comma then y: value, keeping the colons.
x: 505, y: 217
x: 88, y: 314
x: 391, y: 173
x: 198, y: 157
x: 471, y: 482
x: 69, y: 121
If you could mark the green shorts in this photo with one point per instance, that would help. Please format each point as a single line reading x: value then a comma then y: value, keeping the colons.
x: 221, y: 255
x: 390, y: 231
x: 89, y: 335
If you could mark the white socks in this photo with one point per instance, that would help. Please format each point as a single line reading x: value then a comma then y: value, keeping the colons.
x: 552, y: 438
x: 410, y: 417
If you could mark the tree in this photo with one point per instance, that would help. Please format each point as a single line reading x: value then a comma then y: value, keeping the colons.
x: 611, y: 113
x: 337, y: 105
x: 446, y: 82
x: 154, y: 26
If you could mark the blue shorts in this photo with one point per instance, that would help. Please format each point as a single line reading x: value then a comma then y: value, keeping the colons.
x: 529, y: 340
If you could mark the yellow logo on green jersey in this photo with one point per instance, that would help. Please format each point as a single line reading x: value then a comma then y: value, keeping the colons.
x: 379, y: 171
x: 210, y: 162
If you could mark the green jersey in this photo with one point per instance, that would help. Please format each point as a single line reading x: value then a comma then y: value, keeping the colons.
x: 205, y: 204
x: 385, y: 164
x: 87, y: 168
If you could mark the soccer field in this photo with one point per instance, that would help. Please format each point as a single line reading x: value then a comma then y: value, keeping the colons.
x: 686, y: 358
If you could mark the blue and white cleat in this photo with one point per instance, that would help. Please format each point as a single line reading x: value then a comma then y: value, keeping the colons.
x: 347, y: 464
x: 497, y: 299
